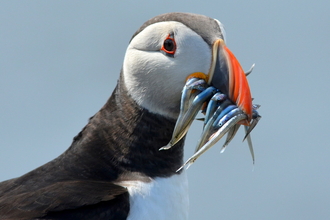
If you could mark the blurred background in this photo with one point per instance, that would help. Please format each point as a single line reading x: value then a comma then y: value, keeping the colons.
x: 60, y: 61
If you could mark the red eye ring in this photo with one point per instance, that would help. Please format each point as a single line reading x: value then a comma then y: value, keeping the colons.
x: 169, y: 45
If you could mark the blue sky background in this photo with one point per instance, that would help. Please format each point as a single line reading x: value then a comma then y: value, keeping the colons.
x: 60, y: 60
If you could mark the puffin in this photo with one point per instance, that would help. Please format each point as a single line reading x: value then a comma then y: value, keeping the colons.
x: 114, y: 169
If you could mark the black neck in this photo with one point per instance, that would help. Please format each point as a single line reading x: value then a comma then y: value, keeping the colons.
x: 124, y: 137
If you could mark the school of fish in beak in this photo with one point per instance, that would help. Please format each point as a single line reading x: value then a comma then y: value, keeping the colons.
x: 224, y: 97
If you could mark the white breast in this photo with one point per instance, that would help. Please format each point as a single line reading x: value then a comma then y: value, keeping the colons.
x: 160, y: 199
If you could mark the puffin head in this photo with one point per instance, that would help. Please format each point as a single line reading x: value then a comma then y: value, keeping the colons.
x: 171, y: 48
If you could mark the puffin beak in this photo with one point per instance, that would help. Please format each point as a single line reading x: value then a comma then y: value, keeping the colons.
x: 226, y: 78
x: 227, y: 75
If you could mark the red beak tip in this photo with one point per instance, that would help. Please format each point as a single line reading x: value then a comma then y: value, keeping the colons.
x: 239, y: 89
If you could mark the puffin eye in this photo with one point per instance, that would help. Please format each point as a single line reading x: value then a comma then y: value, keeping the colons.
x: 169, y: 46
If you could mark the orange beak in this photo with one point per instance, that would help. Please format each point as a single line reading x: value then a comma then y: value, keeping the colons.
x: 227, y: 75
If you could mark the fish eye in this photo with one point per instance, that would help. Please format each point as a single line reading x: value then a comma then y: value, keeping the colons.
x: 169, y: 45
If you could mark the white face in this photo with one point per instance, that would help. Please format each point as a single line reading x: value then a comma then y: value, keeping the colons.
x: 154, y: 79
